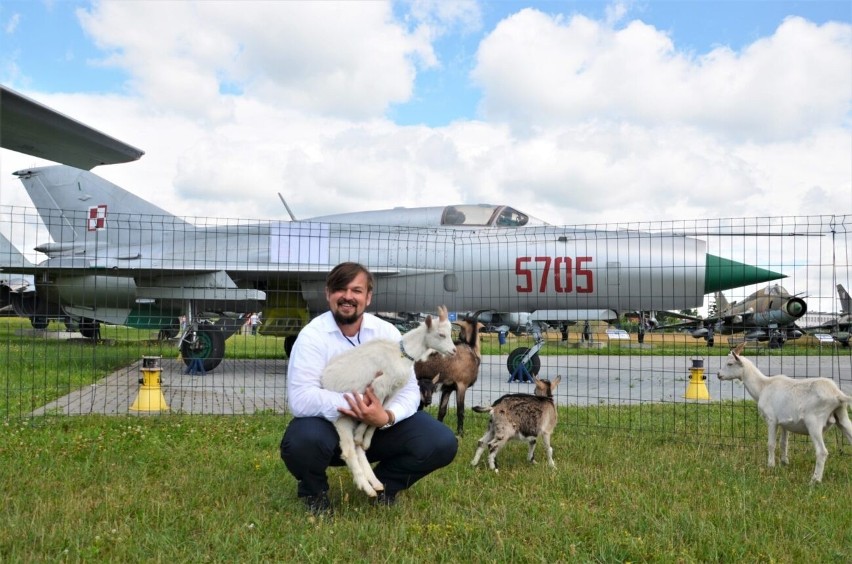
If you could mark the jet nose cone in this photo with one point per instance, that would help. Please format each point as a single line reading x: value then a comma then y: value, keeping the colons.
x: 796, y: 307
x: 724, y: 274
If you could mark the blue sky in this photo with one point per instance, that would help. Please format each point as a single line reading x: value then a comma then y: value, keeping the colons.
x: 566, y: 110
x: 50, y: 52
x: 447, y: 94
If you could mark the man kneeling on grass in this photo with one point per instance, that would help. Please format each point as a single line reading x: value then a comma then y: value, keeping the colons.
x: 408, y: 445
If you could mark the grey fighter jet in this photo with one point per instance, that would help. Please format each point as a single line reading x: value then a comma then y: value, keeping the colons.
x: 114, y: 257
x: 840, y: 324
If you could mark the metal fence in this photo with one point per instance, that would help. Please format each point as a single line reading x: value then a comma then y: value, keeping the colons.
x: 102, y: 292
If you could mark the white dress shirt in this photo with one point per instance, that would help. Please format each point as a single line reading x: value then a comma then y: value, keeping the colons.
x: 317, y: 344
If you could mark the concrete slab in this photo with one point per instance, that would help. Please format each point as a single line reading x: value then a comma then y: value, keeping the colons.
x: 235, y: 387
x: 248, y: 386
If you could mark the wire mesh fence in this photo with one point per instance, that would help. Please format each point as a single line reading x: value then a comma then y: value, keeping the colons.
x: 625, y: 313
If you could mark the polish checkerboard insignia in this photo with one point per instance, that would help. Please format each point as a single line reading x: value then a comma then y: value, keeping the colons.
x: 97, y: 217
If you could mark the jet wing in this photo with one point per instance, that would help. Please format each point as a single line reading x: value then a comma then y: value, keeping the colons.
x: 129, y: 267
x: 34, y: 129
x: 690, y: 320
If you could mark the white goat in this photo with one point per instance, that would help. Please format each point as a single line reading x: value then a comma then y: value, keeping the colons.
x: 386, y: 366
x: 807, y: 406
x: 520, y: 416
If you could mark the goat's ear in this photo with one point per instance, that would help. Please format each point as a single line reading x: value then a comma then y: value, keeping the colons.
x: 739, y: 350
x: 428, y: 321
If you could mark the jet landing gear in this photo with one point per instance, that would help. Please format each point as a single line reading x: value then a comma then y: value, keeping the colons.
x: 205, y: 345
x: 524, y: 363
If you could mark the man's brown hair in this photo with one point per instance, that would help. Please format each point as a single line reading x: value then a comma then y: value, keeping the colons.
x: 344, y: 273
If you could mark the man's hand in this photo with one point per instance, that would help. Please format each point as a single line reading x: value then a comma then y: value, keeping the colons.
x: 366, y: 408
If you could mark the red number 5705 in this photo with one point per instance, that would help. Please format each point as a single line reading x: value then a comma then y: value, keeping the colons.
x: 569, y: 275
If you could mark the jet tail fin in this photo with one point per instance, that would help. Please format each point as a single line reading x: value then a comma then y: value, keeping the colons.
x: 721, y: 302
x: 74, y: 203
x: 845, y: 300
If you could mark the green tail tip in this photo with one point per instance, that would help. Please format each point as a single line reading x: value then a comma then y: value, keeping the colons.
x: 724, y: 274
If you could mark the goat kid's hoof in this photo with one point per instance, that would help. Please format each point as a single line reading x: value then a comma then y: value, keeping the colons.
x: 369, y: 491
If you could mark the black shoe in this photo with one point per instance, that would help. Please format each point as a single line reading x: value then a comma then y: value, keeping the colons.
x: 385, y: 499
x: 318, y: 504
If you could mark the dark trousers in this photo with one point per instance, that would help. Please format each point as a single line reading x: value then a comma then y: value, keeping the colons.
x: 406, y: 452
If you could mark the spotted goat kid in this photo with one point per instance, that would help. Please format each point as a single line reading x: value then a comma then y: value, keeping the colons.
x: 525, y: 417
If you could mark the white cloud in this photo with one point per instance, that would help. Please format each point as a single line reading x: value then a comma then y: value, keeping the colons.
x: 537, y: 70
x: 349, y: 59
x: 582, y: 122
x: 11, y: 25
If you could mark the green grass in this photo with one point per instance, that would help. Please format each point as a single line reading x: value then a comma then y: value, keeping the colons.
x: 35, y: 370
x: 205, y: 488
x: 660, y: 482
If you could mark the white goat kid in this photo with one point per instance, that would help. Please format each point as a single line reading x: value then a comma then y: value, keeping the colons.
x: 386, y: 366
x: 807, y: 406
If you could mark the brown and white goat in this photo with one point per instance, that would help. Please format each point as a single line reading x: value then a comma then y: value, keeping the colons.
x: 455, y: 373
x: 520, y: 416
x: 807, y: 406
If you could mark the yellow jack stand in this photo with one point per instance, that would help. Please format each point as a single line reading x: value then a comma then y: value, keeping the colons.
x: 697, y: 388
x: 150, y: 396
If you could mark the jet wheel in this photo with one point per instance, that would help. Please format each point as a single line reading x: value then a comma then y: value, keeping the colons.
x: 39, y: 321
x: 533, y: 365
x: 90, y: 329
x: 209, y: 346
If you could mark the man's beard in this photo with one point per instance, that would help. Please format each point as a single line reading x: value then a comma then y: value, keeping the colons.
x: 346, y: 319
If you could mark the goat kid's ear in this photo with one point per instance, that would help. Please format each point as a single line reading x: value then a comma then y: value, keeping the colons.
x: 443, y: 314
x: 429, y: 321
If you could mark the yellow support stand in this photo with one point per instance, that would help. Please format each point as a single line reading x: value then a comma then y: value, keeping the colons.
x: 697, y: 388
x: 150, y: 396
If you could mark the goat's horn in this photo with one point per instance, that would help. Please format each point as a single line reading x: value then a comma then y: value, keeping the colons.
x: 442, y: 313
